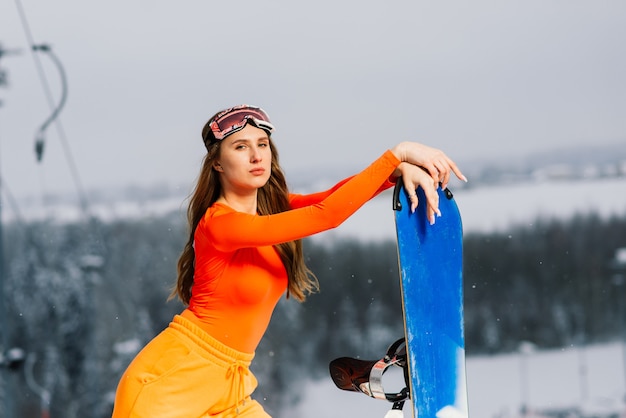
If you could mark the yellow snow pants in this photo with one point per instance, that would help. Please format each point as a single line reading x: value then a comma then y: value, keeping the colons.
x: 185, y: 373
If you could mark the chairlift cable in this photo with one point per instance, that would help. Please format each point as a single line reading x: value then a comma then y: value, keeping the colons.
x: 48, y: 93
x: 84, y: 206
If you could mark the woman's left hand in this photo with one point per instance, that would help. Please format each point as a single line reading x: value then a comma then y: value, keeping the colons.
x: 414, y: 177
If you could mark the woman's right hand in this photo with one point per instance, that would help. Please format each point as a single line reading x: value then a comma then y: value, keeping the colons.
x: 412, y: 177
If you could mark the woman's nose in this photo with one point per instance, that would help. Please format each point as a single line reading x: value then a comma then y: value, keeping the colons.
x: 256, y: 154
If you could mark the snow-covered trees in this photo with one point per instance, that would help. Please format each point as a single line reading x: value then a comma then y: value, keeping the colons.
x: 84, y: 298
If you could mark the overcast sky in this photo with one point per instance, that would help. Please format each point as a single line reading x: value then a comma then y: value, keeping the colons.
x: 342, y: 81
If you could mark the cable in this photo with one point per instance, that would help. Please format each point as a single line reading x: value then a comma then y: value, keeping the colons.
x: 97, y: 241
x: 47, y: 91
x: 40, y: 137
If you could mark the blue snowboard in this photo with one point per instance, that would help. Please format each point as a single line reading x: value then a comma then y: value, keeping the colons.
x: 430, y: 261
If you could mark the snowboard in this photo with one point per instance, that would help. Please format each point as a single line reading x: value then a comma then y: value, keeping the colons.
x: 430, y: 263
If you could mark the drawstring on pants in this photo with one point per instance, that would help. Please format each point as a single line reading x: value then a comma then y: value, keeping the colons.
x: 238, y: 371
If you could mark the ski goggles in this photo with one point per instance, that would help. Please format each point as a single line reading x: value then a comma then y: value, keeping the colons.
x: 235, y: 119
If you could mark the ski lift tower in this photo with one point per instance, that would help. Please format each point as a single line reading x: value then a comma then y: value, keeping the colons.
x: 10, y: 358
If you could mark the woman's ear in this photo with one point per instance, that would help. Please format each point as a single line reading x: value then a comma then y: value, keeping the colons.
x: 218, y: 167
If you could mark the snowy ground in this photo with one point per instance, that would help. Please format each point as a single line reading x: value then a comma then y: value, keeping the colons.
x: 496, y: 207
x: 483, y: 208
x: 574, y: 377
x: 590, y: 379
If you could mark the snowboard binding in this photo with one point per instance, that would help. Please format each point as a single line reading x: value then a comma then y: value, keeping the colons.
x: 365, y: 376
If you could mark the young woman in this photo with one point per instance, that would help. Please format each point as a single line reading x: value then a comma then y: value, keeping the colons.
x: 244, y: 252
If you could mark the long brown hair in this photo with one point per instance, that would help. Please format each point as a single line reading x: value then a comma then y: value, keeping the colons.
x: 272, y: 198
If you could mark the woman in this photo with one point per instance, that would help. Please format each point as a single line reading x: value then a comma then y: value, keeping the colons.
x: 244, y: 252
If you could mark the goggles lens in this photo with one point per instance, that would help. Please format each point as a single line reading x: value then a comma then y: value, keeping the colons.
x: 236, y: 118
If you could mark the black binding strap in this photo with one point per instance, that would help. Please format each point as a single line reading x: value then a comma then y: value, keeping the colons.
x: 365, y: 376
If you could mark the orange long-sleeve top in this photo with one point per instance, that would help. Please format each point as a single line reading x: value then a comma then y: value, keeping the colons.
x: 239, y: 277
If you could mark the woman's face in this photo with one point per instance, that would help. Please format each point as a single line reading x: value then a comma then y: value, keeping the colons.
x: 245, y: 160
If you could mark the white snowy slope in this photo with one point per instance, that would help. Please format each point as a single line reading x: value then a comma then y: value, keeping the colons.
x: 496, y: 207
x: 589, y: 379
x: 484, y: 208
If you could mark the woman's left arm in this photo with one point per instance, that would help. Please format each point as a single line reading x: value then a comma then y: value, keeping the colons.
x: 302, y: 200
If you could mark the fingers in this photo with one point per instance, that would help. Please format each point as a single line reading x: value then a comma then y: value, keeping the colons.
x: 432, y: 169
x: 445, y: 167
x: 426, y: 167
x: 414, y: 201
x: 443, y: 175
x: 439, y: 171
x: 410, y: 186
x: 433, y: 160
x: 457, y: 172
x: 432, y: 200
x: 423, y: 180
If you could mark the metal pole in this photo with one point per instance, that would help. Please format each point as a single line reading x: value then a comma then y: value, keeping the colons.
x: 11, y: 358
x: 4, y: 371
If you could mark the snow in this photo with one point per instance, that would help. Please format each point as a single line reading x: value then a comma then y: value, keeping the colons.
x: 128, y: 347
x: 590, y: 379
x: 492, y: 208
x: 587, y: 379
x: 484, y: 209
